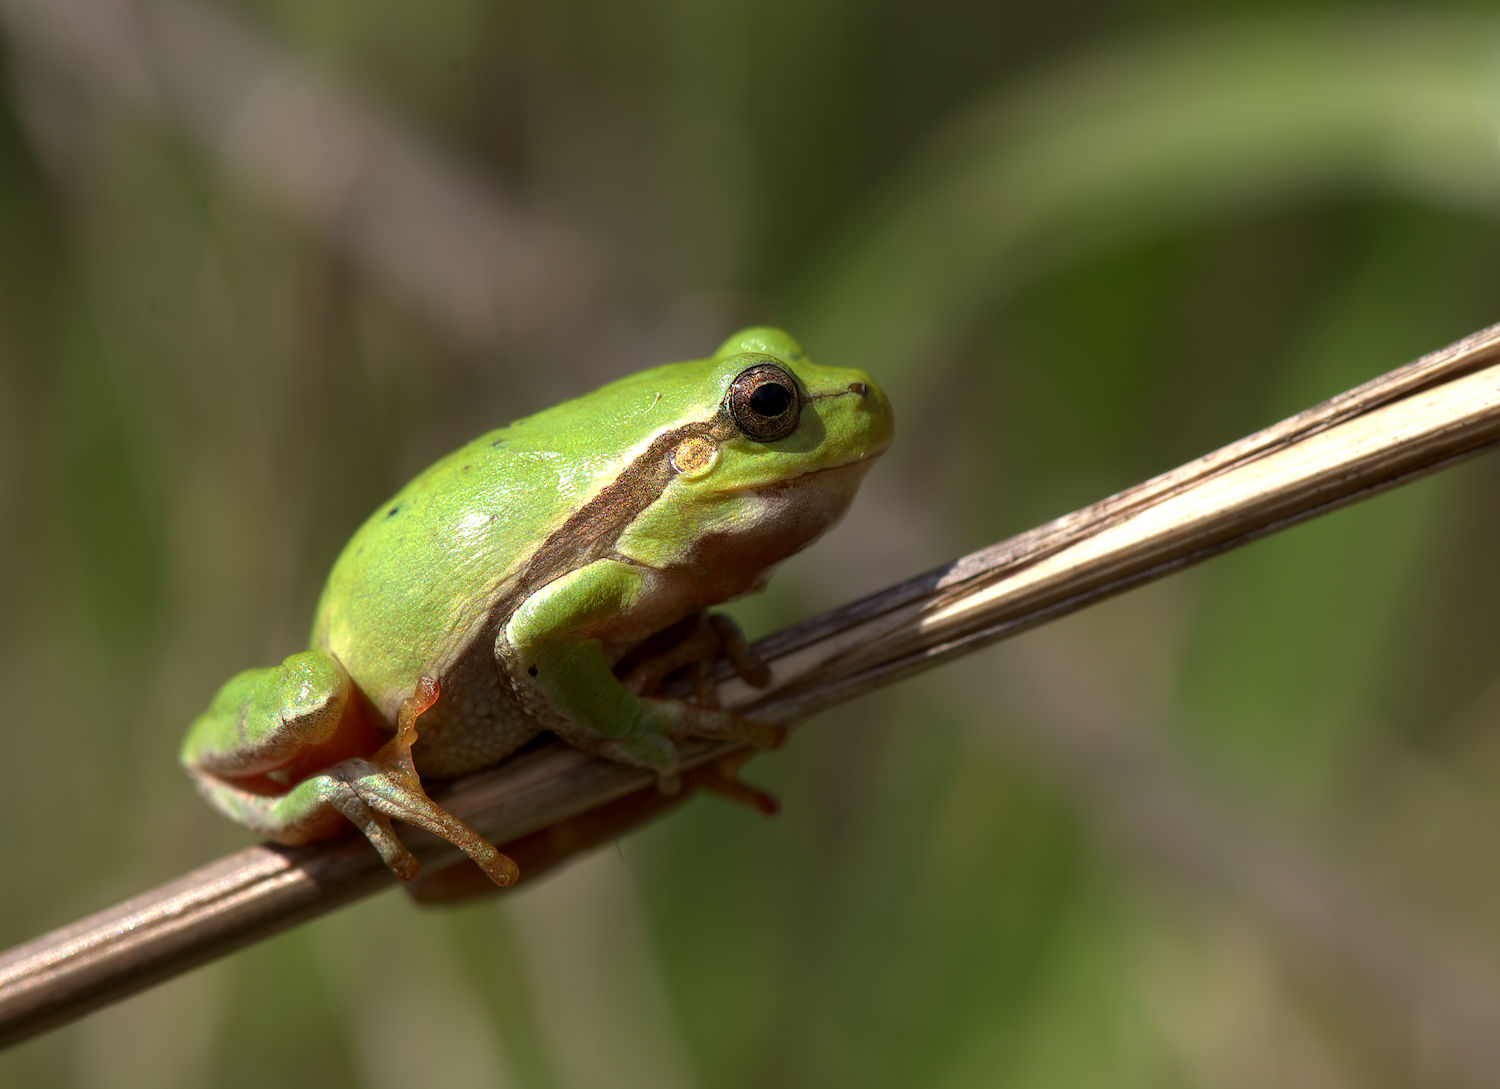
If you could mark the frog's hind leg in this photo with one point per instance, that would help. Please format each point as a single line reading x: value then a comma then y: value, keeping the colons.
x: 314, y: 809
x: 290, y: 753
x: 366, y: 793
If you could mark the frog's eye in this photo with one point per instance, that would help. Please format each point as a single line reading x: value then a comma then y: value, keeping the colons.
x: 764, y: 403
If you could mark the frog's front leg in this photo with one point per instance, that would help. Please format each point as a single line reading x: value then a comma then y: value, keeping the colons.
x: 552, y: 655
x: 254, y: 751
x: 698, y: 642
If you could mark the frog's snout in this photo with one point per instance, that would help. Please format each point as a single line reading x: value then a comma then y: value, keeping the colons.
x: 874, y: 414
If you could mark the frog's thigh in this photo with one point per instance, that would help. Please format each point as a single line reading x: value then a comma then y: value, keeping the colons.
x: 364, y: 793
x: 263, y: 719
x: 560, y: 672
x: 260, y: 722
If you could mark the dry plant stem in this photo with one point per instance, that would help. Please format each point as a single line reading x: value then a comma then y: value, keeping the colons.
x: 1416, y: 419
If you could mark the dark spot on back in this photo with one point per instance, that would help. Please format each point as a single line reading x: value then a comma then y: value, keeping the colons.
x: 531, y: 671
x: 393, y: 511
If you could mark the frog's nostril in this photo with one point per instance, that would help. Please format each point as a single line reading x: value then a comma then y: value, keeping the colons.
x: 859, y: 389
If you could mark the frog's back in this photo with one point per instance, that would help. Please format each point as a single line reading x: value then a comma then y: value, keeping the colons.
x: 418, y: 583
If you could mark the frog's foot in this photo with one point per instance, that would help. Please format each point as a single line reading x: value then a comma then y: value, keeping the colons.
x: 691, y: 720
x: 699, y: 642
x: 722, y: 777
x: 651, y: 742
x: 388, y: 786
x: 370, y: 794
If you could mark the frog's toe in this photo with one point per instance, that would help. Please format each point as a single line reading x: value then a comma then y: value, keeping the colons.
x: 748, y: 666
x: 369, y: 794
x: 719, y: 725
x: 722, y: 777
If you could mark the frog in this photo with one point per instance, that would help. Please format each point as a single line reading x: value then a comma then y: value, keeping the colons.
x: 545, y: 578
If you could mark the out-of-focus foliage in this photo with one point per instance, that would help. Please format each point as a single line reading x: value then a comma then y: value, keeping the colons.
x: 1079, y: 243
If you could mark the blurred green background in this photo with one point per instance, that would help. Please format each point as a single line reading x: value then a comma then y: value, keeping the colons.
x: 259, y: 263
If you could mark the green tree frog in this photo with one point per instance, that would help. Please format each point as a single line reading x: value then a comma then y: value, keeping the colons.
x: 512, y: 587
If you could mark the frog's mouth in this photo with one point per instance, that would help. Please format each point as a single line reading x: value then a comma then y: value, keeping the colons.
x: 816, y: 480
x: 819, y: 495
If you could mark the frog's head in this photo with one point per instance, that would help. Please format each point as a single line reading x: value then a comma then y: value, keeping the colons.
x: 767, y: 458
x: 781, y: 416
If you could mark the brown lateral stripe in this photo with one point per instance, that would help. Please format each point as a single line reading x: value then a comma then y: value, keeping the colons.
x: 591, y: 531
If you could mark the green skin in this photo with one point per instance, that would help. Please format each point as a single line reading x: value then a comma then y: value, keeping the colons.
x: 494, y: 595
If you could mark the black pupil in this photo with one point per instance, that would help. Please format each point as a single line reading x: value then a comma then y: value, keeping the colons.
x: 770, y: 400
